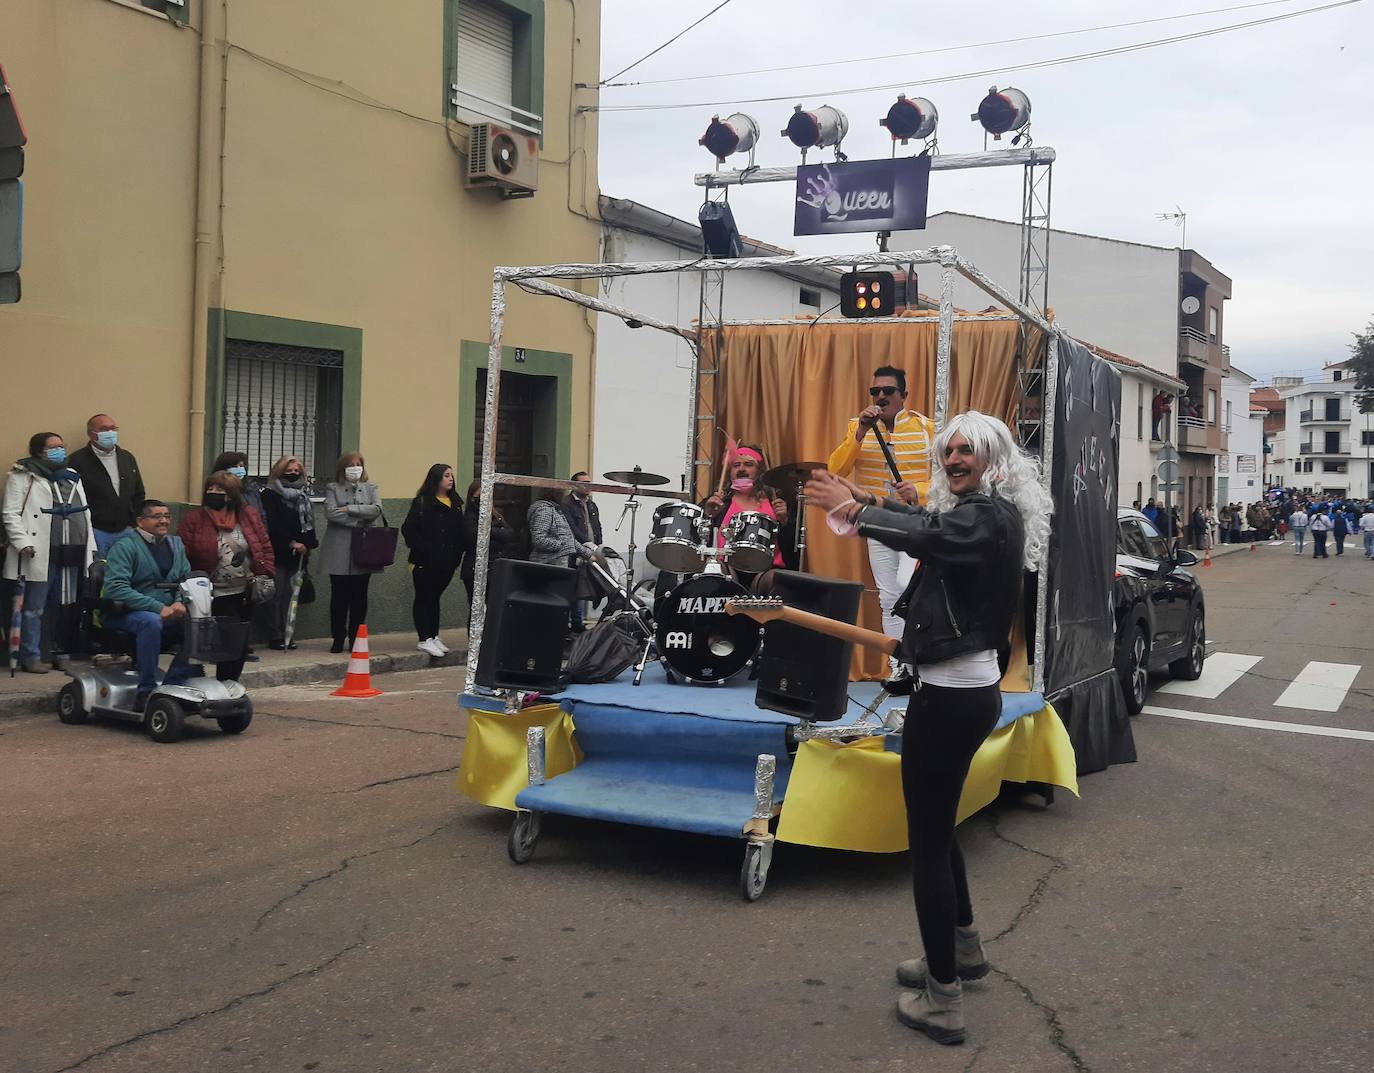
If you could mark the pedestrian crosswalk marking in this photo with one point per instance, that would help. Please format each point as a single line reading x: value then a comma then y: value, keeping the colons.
x: 1319, y: 687
x: 1262, y: 724
x: 1220, y: 672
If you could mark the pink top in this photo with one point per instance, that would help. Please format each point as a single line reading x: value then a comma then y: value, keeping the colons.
x: 735, y: 507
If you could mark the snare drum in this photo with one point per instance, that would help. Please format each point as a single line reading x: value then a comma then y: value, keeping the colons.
x: 749, y: 541
x: 695, y: 634
x: 675, y: 543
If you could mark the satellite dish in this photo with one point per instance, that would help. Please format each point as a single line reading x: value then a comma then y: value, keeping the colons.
x: 1191, y: 305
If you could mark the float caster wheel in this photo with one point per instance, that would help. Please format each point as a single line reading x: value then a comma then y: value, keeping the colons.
x: 524, y: 836
x: 753, y: 876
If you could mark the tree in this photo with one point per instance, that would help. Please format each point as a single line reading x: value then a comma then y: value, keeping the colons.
x: 1362, y: 364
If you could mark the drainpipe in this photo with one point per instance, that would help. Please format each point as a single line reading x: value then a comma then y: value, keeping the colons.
x: 213, y: 18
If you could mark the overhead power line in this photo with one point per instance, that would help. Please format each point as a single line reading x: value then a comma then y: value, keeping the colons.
x: 665, y: 43
x: 985, y: 72
x: 608, y: 84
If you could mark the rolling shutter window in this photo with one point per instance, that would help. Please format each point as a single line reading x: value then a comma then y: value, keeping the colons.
x: 486, y: 45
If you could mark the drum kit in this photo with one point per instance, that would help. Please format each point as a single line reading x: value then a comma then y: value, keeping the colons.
x: 694, y: 637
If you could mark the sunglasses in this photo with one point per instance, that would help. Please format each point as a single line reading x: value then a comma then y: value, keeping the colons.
x: 874, y: 392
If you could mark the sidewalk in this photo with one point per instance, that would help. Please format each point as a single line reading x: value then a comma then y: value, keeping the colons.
x: 26, y: 694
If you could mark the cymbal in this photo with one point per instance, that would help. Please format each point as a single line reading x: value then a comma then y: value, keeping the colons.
x: 790, y: 474
x: 636, y: 476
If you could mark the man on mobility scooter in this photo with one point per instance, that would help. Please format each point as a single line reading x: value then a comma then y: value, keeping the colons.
x: 150, y: 595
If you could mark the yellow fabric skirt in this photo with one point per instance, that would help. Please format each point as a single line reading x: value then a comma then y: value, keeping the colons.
x: 495, y: 763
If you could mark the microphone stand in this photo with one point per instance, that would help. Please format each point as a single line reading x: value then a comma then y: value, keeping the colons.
x: 887, y: 451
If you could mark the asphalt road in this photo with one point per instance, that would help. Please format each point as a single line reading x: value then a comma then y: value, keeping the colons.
x: 314, y: 895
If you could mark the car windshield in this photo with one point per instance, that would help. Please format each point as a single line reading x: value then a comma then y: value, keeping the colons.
x: 1159, y: 547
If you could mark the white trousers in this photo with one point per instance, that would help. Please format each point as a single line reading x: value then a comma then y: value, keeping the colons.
x: 892, y: 571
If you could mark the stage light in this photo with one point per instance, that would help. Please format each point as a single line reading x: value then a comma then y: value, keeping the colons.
x: 719, y: 235
x: 737, y: 133
x: 867, y: 294
x: 908, y: 118
x: 1003, y: 111
x: 816, y: 130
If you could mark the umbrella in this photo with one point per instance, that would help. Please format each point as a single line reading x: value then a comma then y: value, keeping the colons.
x: 16, y: 622
x: 296, y: 580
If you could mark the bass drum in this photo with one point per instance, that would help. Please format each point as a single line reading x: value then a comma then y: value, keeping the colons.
x: 697, y: 638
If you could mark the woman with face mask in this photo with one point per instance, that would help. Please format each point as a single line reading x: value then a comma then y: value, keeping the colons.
x: 290, y: 518
x: 49, y: 542
x: 745, y: 491
x: 235, y: 463
x: 226, y: 539
x: 350, y: 502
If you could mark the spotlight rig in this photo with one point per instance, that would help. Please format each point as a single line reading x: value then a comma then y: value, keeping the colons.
x: 816, y: 130
x: 1004, y: 111
x: 910, y: 117
x: 738, y: 133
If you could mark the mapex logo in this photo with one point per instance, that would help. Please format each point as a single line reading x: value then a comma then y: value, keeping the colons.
x: 702, y: 605
x: 824, y: 193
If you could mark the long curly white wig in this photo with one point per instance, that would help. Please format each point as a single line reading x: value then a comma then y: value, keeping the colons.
x: 1011, y: 473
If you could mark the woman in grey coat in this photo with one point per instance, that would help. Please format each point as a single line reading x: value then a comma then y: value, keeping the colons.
x: 552, y: 541
x: 350, y: 502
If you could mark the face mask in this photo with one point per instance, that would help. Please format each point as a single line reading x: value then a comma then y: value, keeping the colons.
x: 291, y: 480
x: 353, y: 473
x: 238, y: 471
x: 107, y: 439
x: 215, y: 500
x: 742, y: 484
x: 56, y: 455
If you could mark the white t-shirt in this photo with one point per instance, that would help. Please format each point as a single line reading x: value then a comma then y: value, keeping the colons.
x: 1321, y: 523
x: 1299, y: 520
x: 963, y: 672
x: 1367, y: 522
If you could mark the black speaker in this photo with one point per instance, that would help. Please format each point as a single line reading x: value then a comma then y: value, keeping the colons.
x: 802, y: 672
x: 527, y: 619
x: 719, y: 234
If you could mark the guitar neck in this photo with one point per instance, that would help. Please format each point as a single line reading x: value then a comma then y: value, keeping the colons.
x: 843, y: 630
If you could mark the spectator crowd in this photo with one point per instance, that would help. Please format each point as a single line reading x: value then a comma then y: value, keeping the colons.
x: 1328, y: 520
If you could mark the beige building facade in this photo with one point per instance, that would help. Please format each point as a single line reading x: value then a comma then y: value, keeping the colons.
x: 247, y: 226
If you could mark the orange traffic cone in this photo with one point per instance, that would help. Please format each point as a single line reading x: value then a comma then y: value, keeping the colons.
x: 1207, y: 554
x: 1252, y: 545
x: 358, y: 681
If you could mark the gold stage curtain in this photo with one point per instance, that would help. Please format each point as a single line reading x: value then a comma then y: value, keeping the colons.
x: 792, y: 388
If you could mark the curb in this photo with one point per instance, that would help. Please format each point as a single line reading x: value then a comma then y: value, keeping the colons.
x: 332, y: 669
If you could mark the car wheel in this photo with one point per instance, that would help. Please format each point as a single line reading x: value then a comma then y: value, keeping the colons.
x: 1189, y: 666
x: 69, y: 708
x: 1135, y: 670
x: 164, y: 720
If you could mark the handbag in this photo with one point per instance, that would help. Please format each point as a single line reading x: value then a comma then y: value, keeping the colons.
x: 373, y: 548
x: 261, y: 589
x: 307, y: 593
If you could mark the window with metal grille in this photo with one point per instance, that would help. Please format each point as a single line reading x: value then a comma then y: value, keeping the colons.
x: 283, y: 400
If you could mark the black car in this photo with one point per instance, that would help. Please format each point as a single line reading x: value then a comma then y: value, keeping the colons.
x: 1160, y: 619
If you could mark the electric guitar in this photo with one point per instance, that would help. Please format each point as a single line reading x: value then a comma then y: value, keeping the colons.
x: 768, y: 610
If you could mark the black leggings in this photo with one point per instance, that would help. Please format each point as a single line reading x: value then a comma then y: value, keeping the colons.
x: 234, y: 606
x: 944, y: 728
x: 347, y: 605
x: 430, y: 583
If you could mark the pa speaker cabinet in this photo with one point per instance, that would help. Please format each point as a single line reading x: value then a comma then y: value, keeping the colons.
x: 527, y: 619
x: 801, y: 672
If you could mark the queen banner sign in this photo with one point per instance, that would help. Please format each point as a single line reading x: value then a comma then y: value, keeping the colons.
x: 862, y: 195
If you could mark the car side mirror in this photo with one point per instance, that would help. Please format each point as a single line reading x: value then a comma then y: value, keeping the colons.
x: 1182, y: 557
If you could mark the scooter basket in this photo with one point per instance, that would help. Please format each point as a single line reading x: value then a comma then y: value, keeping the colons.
x: 216, y: 640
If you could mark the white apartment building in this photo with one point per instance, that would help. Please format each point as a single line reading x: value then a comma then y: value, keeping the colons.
x: 1240, y: 466
x: 1161, y: 307
x: 1329, y: 444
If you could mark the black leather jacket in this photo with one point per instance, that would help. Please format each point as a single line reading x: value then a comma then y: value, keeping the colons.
x: 963, y: 596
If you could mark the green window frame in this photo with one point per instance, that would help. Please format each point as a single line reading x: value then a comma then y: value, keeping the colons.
x: 236, y: 324
x: 527, y: 60
x: 176, y: 10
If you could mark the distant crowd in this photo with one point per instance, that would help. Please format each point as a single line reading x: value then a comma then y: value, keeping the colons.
x: 1291, y: 512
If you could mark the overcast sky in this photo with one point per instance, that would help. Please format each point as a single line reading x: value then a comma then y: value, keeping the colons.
x: 1262, y: 135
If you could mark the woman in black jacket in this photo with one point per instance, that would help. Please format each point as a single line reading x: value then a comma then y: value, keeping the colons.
x: 987, y: 521
x: 436, y: 534
x: 290, y: 518
x: 502, y: 538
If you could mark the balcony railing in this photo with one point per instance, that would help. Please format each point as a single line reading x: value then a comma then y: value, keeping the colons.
x: 1343, y: 448
x: 1311, y: 417
x: 1193, y: 334
x: 1191, y: 422
x: 1226, y: 353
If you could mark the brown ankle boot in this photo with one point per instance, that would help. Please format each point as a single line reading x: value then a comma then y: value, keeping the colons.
x: 938, y: 1011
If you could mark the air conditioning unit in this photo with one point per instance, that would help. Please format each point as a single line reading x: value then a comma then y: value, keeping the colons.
x: 503, y: 158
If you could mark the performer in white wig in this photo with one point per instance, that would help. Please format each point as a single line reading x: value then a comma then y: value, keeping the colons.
x: 987, y: 520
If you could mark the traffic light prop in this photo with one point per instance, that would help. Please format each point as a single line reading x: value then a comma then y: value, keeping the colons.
x: 868, y: 294
x: 12, y: 141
